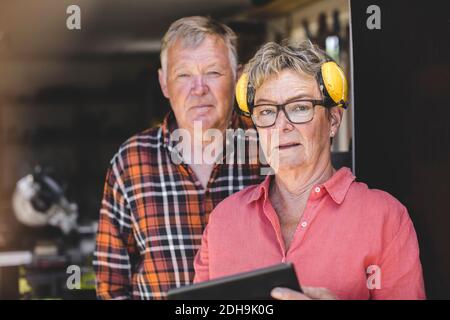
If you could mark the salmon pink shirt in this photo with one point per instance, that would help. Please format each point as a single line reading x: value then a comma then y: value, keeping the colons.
x: 360, y: 243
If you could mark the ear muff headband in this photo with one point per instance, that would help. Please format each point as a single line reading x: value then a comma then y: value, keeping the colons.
x: 332, y: 81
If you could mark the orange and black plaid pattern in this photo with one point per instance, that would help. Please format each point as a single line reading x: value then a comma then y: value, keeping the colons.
x: 153, y: 214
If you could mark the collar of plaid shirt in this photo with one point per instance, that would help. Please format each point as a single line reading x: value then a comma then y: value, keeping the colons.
x: 154, y: 212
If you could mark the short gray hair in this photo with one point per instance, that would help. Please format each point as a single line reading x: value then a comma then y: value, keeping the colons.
x: 272, y: 58
x: 193, y: 30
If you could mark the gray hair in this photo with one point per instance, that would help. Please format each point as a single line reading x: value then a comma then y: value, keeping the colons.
x: 193, y: 30
x: 272, y: 58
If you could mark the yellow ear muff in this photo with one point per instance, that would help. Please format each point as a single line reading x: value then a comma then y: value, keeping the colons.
x: 241, y: 94
x: 334, y: 82
x: 331, y: 78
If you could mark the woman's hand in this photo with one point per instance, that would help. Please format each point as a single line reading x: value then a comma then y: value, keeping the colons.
x: 309, y: 293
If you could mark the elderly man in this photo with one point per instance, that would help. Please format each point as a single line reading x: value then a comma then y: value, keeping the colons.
x: 157, y: 199
x: 345, y: 240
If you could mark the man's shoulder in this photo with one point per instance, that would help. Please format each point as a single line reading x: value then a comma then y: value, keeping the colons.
x: 144, y: 143
x: 150, y: 137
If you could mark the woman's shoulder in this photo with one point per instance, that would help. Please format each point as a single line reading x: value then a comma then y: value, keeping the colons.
x: 377, y: 204
x: 236, y: 204
x: 240, y: 198
x: 373, y: 195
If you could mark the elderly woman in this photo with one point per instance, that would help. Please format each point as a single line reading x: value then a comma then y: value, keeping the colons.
x: 346, y: 241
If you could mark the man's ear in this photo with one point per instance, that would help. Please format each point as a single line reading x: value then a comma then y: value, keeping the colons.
x: 163, y: 82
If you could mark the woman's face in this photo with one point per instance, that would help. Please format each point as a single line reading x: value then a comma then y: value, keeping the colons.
x: 287, y: 145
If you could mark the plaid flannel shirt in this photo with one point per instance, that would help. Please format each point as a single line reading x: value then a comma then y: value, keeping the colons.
x: 153, y: 214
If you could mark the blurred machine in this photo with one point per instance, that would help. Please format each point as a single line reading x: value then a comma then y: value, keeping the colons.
x: 55, y: 241
x: 39, y: 201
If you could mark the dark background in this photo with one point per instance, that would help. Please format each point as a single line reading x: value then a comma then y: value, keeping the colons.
x: 401, y: 119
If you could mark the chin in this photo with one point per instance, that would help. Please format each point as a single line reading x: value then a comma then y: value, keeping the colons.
x: 208, y: 123
x: 286, y: 163
x: 291, y: 165
x: 205, y: 119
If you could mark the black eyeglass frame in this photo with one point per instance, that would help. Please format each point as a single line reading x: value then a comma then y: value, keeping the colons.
x: 282, y: 107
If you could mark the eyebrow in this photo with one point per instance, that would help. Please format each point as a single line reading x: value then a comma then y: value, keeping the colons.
x: 214, y: 64
x: 208, y: 66
x: 179, y: 67
x: 297, y: 97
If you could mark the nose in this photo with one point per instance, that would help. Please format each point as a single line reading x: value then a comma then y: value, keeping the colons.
x: 199, y: 87
x: 282, y: 123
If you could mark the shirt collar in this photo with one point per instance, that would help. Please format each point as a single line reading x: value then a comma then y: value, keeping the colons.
x: 260, y: 190
x: 337, y: 186
x: 167, y: 127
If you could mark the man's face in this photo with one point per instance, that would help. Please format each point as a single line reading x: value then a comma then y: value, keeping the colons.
x: 199, y: 83
x: 299, y: 144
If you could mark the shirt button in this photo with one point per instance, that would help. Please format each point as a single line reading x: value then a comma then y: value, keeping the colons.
x: 304, y: 224
x: 317, y: 189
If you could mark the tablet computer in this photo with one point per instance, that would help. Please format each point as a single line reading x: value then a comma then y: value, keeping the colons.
x: 253, y: 285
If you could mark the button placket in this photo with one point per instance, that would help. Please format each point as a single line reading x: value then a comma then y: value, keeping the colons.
x: 271, y: 215
x: 308, y: 216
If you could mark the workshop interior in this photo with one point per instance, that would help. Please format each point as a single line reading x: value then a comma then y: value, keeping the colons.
x: 70, y: 97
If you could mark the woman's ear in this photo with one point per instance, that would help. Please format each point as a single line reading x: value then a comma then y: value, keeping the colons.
x: 336, y: 114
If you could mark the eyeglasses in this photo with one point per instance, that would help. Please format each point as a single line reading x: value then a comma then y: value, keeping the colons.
x: 298, y: 111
